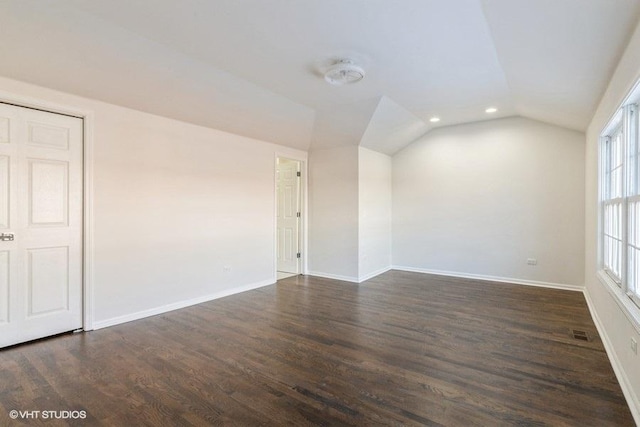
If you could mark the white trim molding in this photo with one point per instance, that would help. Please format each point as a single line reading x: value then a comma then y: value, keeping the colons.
x: 88, y: 218
x: 180, y: 304
x: 374, y: 274
x: 500, y: 279
x: 351, y: 279
x: 632, y: 399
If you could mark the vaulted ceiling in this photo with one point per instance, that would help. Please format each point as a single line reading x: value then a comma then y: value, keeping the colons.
x: 254, y: 67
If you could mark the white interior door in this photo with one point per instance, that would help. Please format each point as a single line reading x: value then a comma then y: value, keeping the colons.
x: 41, y: 208
x: 288, y: 215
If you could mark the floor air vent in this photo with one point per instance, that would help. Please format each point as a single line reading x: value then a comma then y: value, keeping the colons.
x: 579, y: 335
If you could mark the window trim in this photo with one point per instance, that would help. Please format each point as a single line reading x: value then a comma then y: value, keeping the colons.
x: 605, y: 159
x: 619, y: 288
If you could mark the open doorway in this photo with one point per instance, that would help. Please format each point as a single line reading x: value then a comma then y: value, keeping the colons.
x: 288, y: 217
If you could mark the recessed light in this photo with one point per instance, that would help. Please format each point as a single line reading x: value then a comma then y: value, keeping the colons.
x: 491, y: 110
x: 434, y: 119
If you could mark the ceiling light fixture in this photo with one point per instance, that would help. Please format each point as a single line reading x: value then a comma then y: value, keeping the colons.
x: 491, y: 110
x: 434, y: 119
x: 344, y: 72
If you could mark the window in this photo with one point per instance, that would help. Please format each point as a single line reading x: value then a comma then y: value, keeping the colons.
x: 620, y: 201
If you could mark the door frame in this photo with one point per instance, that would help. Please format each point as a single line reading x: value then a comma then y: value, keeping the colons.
x: 87, y: 117
x: 303, y: 230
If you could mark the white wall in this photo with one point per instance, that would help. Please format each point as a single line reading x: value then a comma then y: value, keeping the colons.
x: 374, y: 225
x: 616, y: 327
x: 333, y: 213
x: 482, y: 198
x: 174, y: 204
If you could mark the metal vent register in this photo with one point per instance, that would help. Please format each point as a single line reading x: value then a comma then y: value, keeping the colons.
x: 579, y: 335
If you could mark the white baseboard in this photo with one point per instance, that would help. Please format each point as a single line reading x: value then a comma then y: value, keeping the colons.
x: 180, y: 304
x: 515, y: 281
x: 333, y: 276
x: 623, y: 380
x: 374, y: 274
x: 351, y: 279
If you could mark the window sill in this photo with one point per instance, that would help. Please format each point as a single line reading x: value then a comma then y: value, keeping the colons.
x: 624, y: 302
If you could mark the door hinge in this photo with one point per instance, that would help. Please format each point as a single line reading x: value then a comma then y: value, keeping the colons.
x: 298, y: 174
x: 298, y: 255
x: 298, y: 214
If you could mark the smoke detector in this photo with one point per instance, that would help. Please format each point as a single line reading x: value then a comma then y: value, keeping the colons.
x: 344, y: 72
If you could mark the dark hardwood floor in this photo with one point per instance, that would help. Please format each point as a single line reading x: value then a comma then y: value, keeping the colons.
x: 400, y: 349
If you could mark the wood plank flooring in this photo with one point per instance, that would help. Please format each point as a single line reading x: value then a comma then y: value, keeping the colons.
x: 400, y: 349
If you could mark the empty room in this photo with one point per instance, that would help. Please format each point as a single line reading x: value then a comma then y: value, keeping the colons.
x: 319, y: 212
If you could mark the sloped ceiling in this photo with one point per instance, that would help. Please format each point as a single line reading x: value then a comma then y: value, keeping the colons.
x: 392, y: 128
x: 254, y: 67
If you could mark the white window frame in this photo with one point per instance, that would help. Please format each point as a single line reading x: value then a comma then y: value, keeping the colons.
x: 626, y: 122
x: 616, y: 273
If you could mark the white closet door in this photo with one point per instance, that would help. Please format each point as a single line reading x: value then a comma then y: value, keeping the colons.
x: 41, y: 211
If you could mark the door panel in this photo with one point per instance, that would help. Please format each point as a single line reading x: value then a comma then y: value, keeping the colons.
x: 48, y: 195
x: 48, y: 280
x: 4, y: 129
x: 41, y: 205
x: 4, y: 287
x: 4, y: 192
x: 48, y: 136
